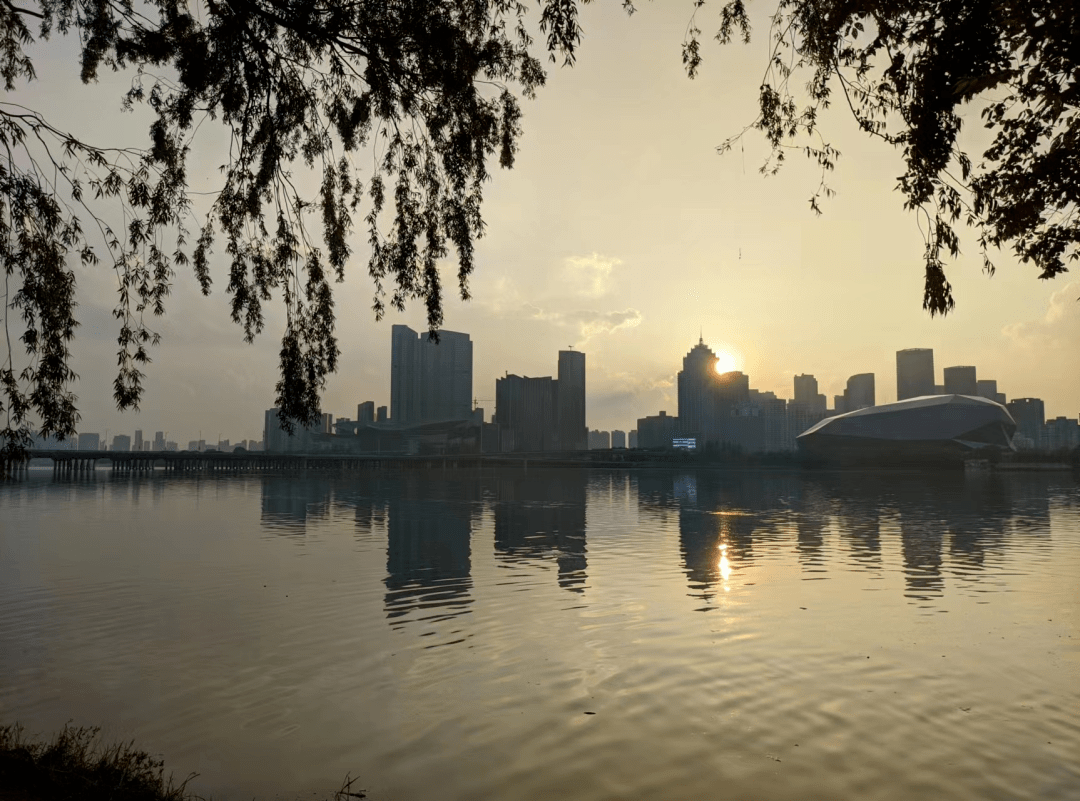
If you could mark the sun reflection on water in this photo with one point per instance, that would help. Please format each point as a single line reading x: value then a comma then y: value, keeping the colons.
x: 725, y: 566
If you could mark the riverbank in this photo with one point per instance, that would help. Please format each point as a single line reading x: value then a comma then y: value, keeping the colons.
x: 76, y: 765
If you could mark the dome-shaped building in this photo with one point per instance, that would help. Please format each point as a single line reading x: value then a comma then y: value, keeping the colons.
x: 923, y: 430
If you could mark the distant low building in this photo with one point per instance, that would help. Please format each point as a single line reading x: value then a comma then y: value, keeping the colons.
x: 599, y: 440
x: 657, y: 431
x: 1061, y: 433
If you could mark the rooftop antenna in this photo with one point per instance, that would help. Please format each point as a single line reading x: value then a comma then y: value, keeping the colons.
x: 701, y: 336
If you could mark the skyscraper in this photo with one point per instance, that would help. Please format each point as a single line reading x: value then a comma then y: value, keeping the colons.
x: 860, y: 392
x: 429, y: 382
x: 914, y: 373
x: 570, y: 400
x: 698, y: 391
x: 960, y: 381
x: 525, y: 411
x: 807, y: 395
x: 365, y: 412
x: 987, y: 388
x: 1030, y: 416
x: 137, y: 446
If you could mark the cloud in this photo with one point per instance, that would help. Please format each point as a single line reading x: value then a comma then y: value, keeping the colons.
x: 588, y: 323
x: 1058, y: 328
x: 588, y: 275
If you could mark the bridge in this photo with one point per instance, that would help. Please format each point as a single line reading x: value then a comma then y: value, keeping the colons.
x: 75, y: 463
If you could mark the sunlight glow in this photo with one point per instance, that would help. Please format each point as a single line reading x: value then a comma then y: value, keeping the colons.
x: 725, y: 565
x: 726, y: 362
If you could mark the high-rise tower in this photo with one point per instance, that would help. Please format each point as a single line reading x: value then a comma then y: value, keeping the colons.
x: 698, y: 391
x: 429, y: 382
x: 960, y: 381
x: 570, y: 402
x: 914, y: 373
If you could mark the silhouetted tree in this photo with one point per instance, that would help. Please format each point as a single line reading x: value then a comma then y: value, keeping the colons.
x: 426, y: 90
x: 905, y: 68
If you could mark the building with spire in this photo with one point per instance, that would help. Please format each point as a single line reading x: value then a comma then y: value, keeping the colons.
x: 698, y: 395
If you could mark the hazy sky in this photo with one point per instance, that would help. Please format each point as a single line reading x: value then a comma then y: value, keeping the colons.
x: 619, y: 231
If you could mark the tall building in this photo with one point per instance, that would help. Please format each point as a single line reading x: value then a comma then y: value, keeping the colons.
x: 137, y: 446
x: 961, y: 381
x: 632, y: 439
x: 429, y: 382
x: 273, y: 434
x: 1030, y: 416
x: 697, y: 383
x: 525, y: 412
x: 365, y: 412
x: 89, y: 442
x: 121, y: 442
x: 732, y: 388
x: 914, y: 373
x: 380, y: 415
x: 986, y: 388
x: 618, y: 439
x: 807, y: 395
x: 573, y: 431
x: 159, y: 440
x: 860, y: 392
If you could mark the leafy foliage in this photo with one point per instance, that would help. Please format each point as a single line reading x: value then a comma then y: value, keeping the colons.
x: 905, y: 69
x: 397, y: 106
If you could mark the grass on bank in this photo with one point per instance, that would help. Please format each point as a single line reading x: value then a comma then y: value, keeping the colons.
x: 75, y: 765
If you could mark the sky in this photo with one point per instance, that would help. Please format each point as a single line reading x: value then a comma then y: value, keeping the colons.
x: 619, y: 231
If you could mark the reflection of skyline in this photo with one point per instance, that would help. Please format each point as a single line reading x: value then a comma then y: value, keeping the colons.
x: 543, y: 514
x: 428, y: 550
x: 953, y: 516
x: 289, y: 502
x: 932, y: 530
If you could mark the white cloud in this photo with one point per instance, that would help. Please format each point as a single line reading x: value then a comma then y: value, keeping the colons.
x: 589, y: 275
x: 587, y: 323
x: 1058, y: 328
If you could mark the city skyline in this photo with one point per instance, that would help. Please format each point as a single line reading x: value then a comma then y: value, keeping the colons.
x: 785, y: 291
x: 915, y: 371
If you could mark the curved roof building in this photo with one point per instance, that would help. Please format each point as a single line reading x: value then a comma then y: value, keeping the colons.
x: 931, y: 428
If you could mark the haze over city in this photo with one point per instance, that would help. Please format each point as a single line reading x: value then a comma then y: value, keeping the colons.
x: 622, y: 233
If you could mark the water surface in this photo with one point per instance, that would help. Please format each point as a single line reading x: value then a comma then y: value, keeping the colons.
x: 568, y: 634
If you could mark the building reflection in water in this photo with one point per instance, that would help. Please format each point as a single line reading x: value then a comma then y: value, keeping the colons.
x: 290, y: 502
x: 428, y: 551
x: 541, y: 515
x: 940, y: 516
x: 720, y: 517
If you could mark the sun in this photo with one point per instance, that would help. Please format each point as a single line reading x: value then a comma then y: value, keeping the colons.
x: 726, y: 362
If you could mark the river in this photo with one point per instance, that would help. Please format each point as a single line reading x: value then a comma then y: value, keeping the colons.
x: 556, y: 634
